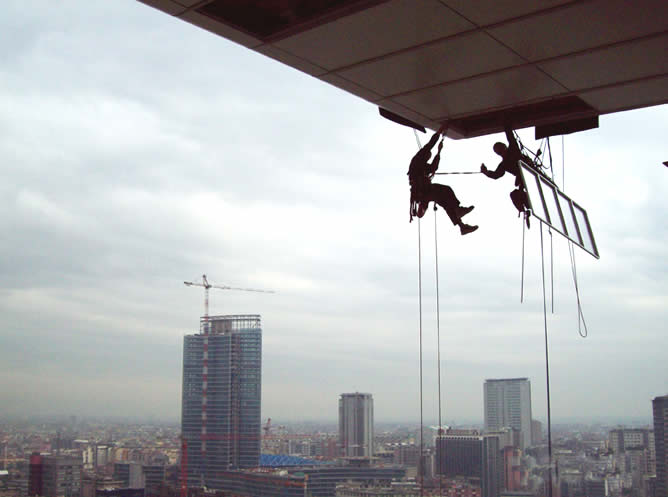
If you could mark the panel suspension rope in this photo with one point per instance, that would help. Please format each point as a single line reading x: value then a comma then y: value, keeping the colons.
x: 582, y: 324
x: 549, y: 229
x: 547, y: 369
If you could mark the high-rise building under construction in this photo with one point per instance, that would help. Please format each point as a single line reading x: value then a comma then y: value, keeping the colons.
x: 220, y: 418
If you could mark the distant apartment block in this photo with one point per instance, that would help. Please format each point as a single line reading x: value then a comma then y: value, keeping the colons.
x: 154, y: 476
x: 54, y: 476
x: 130, y: 473
x: 508, y: 404
x: 468, y: 454
x: 356, y: 424
x: 406, y: 455
x: 622, y: 439
x: 536, y: 432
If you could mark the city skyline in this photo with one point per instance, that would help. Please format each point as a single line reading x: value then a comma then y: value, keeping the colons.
x: 132, y: 163
x: 143, y: 460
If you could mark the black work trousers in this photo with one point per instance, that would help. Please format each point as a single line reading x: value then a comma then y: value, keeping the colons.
x: 445, y: 196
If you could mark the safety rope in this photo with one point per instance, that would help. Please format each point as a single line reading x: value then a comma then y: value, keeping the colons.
x: 420, y: 469
x: 438, y: 349
x: 420, y: 459
x: 547, y: 369
x: 417, y: 139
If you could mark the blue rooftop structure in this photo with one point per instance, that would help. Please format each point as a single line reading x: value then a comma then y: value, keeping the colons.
x: 283, y: 460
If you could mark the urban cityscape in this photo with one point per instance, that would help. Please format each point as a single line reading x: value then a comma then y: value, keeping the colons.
x: 224, y: 448
x: 284, y: 147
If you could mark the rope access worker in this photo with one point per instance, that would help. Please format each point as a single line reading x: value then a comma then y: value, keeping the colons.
x: 511, y: 154
x: 423, y: 191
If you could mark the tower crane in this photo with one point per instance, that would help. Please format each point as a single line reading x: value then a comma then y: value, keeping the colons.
x: 206, y: 285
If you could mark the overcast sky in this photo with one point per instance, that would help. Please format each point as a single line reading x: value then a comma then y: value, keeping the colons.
x: 138, y: 151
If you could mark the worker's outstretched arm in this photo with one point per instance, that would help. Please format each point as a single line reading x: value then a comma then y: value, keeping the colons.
x: 495, y: 174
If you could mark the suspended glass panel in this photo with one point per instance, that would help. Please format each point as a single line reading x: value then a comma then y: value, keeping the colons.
x: 585, y: 229
x: 535, y: 197
x: 551, y: 202
x: 571, y: 227
x: 558, y: 211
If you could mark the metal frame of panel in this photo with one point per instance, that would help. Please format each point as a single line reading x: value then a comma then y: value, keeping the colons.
x: 557, y: 210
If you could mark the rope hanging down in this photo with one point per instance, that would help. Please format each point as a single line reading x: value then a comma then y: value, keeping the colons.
x: 547, y: 369
x: 582, y: 324
x: 420, y: 465
x: 438, y: 340
x: 420, y: 468
x: 438, y: 348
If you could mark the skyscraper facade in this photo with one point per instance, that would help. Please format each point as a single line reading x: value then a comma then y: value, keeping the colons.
x: 508, y: 404
x: 356, y: 424
x: 220, y: 418
x: 660, y: 411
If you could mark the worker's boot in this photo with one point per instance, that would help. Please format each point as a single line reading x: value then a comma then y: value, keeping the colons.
x: 463, y: 211
x: 465, y: 229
